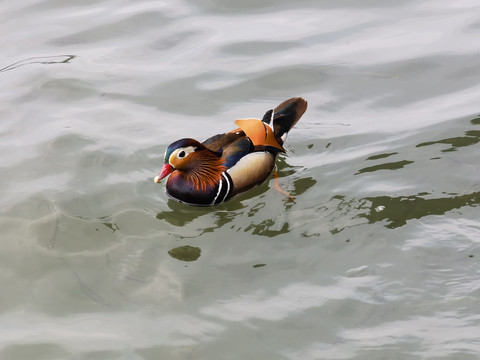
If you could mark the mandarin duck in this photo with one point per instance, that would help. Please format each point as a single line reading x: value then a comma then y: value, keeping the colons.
x: 224, y: 165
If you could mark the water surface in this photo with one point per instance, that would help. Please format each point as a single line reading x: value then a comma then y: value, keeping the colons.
x: 377, y: 257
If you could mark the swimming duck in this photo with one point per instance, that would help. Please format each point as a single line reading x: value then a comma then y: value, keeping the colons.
x: 212, y: 172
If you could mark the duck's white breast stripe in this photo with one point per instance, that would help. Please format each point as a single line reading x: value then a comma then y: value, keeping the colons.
x: 218, y: 192
x: 227, y: 180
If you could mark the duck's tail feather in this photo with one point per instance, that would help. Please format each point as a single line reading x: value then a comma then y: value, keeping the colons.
x: 285, y: 116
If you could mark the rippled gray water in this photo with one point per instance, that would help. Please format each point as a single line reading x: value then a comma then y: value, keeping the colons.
x: 377, y: 258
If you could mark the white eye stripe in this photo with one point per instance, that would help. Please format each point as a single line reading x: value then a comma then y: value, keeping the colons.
x: 182, y: 153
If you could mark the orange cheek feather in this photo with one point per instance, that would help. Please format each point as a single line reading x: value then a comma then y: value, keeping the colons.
x: 201, y: 170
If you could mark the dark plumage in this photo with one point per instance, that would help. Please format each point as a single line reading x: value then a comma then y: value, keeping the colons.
x: 225, y: 165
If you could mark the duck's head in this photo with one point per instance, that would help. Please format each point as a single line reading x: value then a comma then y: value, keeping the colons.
x: 177, y: 157
x: 190, y: 157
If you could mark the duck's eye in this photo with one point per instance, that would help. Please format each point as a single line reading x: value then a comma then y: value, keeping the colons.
x: 181, y: 154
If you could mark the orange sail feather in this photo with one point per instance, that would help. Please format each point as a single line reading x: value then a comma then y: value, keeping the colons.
x: 259, y: 133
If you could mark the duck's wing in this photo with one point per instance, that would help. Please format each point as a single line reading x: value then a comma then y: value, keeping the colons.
x: 235, y: 151
x: 220, y: 141
x: 233, y: 146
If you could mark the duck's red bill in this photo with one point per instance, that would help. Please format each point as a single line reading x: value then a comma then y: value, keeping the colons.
x: 166, y: 170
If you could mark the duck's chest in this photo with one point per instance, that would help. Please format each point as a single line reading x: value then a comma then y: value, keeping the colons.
x: 189, y: 190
